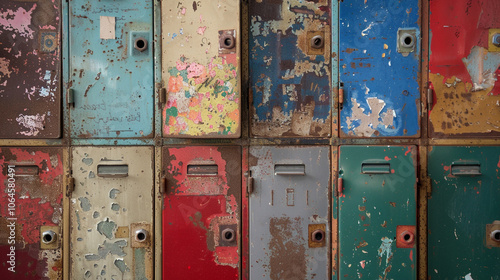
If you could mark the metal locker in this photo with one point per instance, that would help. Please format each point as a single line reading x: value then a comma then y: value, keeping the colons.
x: 201, y: 212
x: 463, y: 90
x: 112, y: 213
x: 289, y: 63
x: 464, y: 213
x: 377, y: 212
x: 30, y: 69
x: 201, y: 69
x: 379, y: 68
x: 289, y: 212
x: 111, y: 82
x: 31, y: 213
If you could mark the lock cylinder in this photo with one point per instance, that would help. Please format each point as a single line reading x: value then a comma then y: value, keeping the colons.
x: 317, y: 42
x: 318, y: 235
x: 49, y: 237
x: 141, y: 44
x: 407, y: 237
x: 227, y: 41
x: 407, y: 40
x: 141, y: 235
x: 228, y: 235
x: 495, y: 235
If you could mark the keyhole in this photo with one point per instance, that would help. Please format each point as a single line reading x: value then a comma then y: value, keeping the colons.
x: 228, y: 235
x: 317, y: 42
x: 141, y: 44
x: 318, y: 235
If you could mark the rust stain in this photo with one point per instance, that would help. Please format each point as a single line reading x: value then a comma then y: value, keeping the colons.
x: 288, y: 252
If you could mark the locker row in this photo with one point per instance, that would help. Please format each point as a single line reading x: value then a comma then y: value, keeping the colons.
x: 86, y: 69
x: 261, y: 212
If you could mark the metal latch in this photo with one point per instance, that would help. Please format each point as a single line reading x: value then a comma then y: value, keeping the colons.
x: 70, y: 187
x: 430, y: 96
x: 341, y: 95
x: 163, y: 95
x: 70, y: 95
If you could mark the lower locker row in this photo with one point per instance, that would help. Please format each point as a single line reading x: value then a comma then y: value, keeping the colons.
x: 263, y: 212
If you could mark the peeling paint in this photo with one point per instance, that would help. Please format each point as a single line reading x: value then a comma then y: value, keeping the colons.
x: 377, y: 117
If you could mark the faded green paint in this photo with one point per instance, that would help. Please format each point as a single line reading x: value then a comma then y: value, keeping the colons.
x: 139, y: 268
x: 460, y: 207
x: 106, y: 228
x: 371, y: 207
x: 85, y: 203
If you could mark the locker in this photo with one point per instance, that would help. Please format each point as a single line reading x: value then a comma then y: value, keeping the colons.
x: 31, y: 213
x: 201, y: 69
x: 464, y: 91
x: 289, y: 213
x: 111, y: 81
x: 201, y: 213
x: 379, y: 68
x: 464, y: 213
x: 112, y: 213
x: 377, y: 212
x: 289, y: 63
x: 30, y: 69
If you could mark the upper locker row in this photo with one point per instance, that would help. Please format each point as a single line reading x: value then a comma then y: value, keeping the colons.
x: 265, y: 212
x: 316, y: 69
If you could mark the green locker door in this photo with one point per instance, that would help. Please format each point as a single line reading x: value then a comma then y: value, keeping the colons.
x: 464, y: 213
x: 377, y: 212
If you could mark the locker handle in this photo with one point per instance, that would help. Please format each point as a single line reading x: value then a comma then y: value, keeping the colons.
x: 375, y: 168
x: 112, y: 170
x: 290, y: 169
x: 26, y: 170
x: 202, y: 170
x: 465, y: 168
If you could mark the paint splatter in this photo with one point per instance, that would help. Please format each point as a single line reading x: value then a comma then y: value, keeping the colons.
x: 385, y: 248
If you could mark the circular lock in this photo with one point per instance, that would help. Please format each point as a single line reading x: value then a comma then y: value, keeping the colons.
x: 49, y: 237
x: 227, y: 41
x: 495, y: 235
x: 318, y: 235
x: 407, y: 41
x: 495, y: 39
x: 141, y: 235
x: 317, y: 42
x: 407, y: 237
x: 141, y: 44
x: 228, y: 235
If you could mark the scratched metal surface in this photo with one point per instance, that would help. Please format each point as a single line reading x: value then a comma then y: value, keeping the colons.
x: 460, y: 207
x: 464, y: 69
x: 371, y: 207
x: 381, y: 86
x: 290, y: 82
x: 202, y: 79
x: 282, y: 207
x: 106, y: 212
x: 112, y: 81
x: 30, y: 69
x: 197, y: 209
x: 38, y: 202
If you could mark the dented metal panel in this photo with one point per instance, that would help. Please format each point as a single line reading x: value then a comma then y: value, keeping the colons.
x: 31, y: 213
x: 379, y: 68
x: 111, y: 86
x: 289, y: 213
x: 464, y: 213
x: 464, y: 69
x: 201, y: 68
x: 289, y: 64
x: 201, y: 212
x: 30, y: 69
x: 377, y: 212
x: 112, y: 215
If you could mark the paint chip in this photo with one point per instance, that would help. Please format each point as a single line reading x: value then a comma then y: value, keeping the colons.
x: 107, y: 27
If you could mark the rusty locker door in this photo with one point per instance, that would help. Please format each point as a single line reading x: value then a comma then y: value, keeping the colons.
x: 201, y: 212
x: 111, y: 82
x: 112, y: 213
x: 379, y: 68
x: 201, y: 68
x: 30, y: 80
x: 464, y: 88
x: 377, y: 212
x: 464, y: 213
x: 31, y: 213
x: 289, y: 212
x: 289, y: 62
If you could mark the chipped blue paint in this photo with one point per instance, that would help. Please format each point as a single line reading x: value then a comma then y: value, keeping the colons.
x: 113, y: 83
x: 371, y: 67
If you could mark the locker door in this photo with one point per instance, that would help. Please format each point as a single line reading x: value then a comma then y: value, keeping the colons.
x: 30, y: 69
x: 112, y: 213
x: 111, y: 68
x: 289, y: 64
x: 201, y: 214
x: 464, y: 68
x: 379, y: 68
x: 31, y: 213
x: 201, y: 68
x: 377, y: 212
x: 464, y: 213
x: 289, y: 213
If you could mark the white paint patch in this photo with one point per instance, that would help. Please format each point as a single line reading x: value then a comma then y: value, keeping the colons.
x: 18, y: 21
x: 107, y: 27
x: 468, y: 276
x: 365, y: 31
x: 4, y: 68
x: 31, y: 122
x: 385, y: 248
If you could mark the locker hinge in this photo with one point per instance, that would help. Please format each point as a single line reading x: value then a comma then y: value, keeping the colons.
x: 428, y: 184
x: 430, y: 96
x: 340, y: 187
x: 249, y: 183
x: 341, y: 95
x: 70, y: 187
x: 163, y: 185
x: 70, y: 96
x: 163, y: 95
